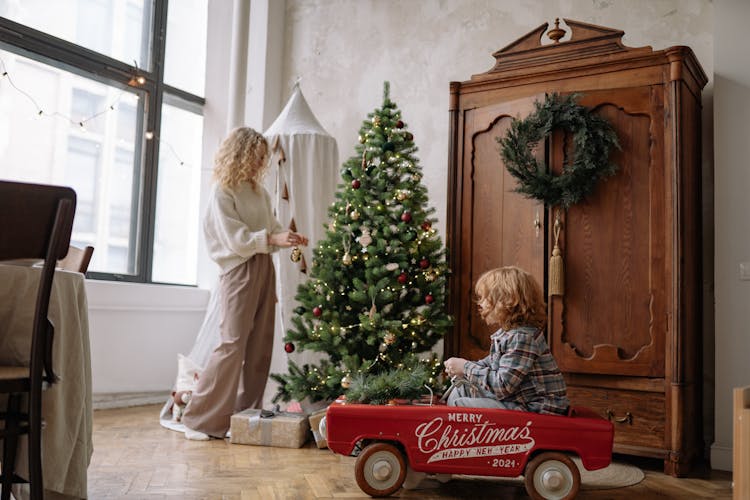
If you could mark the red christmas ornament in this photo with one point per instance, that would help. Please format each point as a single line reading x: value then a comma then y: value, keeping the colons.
x: 429, y: 299
x: 356, y: 184
x: 424, y: 263
x: 406, y: 216
x: 402, y: 278
x: 317, y: 311
x: 399, y: 124
x: 289, y: 347
x: 426, y: 225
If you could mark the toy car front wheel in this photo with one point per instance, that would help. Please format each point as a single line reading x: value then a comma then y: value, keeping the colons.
x: 380, y: 469
x: 552, y: 476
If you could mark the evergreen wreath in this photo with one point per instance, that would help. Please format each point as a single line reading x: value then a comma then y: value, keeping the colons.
x: 593, y: 138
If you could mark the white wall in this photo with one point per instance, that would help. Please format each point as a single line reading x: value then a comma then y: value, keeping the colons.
x: 732, y: 206
x: 343, y: 51
x: 136, y: 332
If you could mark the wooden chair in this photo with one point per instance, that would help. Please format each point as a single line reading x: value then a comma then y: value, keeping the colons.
x: 35, y: 223
x: 77, y: 259
x: 741, y: 444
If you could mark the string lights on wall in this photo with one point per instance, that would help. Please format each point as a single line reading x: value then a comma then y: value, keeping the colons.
x: 137, y: 80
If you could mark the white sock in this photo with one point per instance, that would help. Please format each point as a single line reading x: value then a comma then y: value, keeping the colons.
x: 194, y: 435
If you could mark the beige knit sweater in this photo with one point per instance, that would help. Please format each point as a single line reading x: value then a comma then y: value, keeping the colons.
x: 237, y: 224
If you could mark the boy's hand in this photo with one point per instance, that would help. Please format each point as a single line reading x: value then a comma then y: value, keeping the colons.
x: 454, y: 367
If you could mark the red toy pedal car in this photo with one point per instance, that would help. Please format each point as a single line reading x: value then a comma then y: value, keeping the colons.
x: 475, y: 441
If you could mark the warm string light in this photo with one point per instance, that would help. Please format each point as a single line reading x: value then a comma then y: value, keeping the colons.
x: 150, y: 135
x: 135, y: 81
x: 40, y: 112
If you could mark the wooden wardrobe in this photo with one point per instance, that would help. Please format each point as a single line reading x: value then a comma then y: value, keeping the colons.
x: 627, y: 331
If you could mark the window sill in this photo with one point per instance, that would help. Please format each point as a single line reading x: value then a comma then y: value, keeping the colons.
x: 123, y: 296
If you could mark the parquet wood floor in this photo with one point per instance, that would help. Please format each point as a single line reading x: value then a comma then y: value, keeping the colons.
x: 136, y: 458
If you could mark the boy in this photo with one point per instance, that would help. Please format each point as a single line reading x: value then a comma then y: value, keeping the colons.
x: 520, y: 372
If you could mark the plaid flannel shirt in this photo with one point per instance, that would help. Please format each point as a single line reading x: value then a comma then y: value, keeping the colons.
x: 520, y: 369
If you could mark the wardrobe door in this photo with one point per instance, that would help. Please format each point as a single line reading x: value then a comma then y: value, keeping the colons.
x: 497, y: 226
x: 612, y: 318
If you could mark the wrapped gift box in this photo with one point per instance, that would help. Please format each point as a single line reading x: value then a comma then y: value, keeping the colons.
x: 280, y: 429
x: 315, y: 419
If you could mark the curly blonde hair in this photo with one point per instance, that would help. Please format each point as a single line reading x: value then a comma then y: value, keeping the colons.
x: 510, y: 297
x: 242, y: 156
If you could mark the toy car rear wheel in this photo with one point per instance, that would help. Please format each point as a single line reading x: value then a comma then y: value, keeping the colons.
x: 552, y: 476
x: 380, y: 469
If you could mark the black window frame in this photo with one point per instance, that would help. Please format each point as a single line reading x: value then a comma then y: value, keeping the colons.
x: 48, y: 49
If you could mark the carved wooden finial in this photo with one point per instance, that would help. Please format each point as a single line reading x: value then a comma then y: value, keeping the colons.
x: 557, y: 32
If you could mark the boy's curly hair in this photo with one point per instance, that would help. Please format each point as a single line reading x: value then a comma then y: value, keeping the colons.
x: 510, y: 297
x: 242, y: 156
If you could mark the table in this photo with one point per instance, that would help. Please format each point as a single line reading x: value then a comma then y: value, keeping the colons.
x: 66, y: 406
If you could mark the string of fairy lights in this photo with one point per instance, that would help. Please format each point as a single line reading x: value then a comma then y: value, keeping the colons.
x: 136, y: 80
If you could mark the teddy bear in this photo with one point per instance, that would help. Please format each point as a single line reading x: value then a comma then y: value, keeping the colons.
x: 180, y: 399
x: 187, y: 377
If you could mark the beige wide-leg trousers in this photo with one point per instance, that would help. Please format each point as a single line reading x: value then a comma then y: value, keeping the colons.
x: 235, y: 375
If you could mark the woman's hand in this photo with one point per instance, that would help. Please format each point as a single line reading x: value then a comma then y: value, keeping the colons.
x: 454, y: 367
x: 287, y: 239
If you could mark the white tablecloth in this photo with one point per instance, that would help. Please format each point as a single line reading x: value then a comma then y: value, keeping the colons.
x: 66, y: 406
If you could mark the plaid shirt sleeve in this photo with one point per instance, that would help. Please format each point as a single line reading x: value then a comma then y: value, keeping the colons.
x: 501, y: 373
x: 486, y: 362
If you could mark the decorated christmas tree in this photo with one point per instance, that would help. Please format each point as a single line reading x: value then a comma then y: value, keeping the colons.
x: 375, y: 299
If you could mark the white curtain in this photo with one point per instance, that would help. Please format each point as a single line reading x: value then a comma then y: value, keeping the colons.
x: 302, y: 182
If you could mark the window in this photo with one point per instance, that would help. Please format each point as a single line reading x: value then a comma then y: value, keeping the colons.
x: 94, y: 96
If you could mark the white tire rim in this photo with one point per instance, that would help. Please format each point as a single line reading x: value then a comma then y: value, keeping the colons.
x: 553, y: 480
x: 382, y: 470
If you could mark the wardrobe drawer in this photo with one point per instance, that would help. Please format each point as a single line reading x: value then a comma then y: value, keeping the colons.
x: 638, y: 416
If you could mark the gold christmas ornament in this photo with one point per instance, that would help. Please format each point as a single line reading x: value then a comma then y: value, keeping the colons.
x: 401, y: 195
x: 389, y: 338
x: 346, y: 382
x: 347, y: 259
x: 365, y: 239
x: 296, y: 254
x: 354, y: 215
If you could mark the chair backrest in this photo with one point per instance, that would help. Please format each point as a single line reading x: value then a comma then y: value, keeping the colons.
x: 35, y: 223
x: 77, y: 260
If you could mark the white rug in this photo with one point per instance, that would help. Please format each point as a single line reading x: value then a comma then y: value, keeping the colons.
x: 616, y: 475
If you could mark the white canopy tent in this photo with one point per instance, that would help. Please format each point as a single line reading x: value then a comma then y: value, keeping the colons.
x: 302, y: 182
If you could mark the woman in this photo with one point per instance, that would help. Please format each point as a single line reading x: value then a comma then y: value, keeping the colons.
x: 241, y: 232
